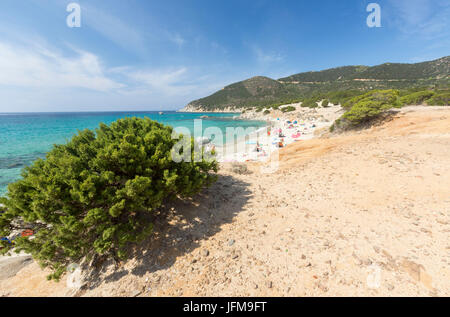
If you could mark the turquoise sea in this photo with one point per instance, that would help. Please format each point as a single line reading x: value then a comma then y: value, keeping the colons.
x: 25, y: 137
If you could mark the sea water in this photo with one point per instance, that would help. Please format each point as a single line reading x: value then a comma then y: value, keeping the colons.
x: 24, y: 137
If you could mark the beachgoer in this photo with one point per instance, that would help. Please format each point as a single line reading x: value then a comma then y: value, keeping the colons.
x: 258, y: 147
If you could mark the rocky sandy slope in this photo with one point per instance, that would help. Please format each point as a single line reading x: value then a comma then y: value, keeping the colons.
x: 328, y: 114
x: 191, y: 108
x: 320, y: 114
x: 361, y: 214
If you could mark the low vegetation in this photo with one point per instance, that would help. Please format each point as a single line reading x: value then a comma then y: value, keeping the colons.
x: 97, y: 195
x: 439, y: 99
x: 364, y: 108
x: 240, y: 168
x: 288, y: 109
x: 309, y: 103
x: 417, y: 98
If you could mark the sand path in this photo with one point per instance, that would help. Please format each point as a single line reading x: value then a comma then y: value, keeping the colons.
x: 362, y: 214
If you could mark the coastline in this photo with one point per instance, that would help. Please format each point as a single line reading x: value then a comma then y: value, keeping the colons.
x: 198, y: 109
x: 284, y: 129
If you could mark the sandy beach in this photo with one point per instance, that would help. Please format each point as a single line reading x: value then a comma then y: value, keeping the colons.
x: 359, y: 214
x: 282, y: 128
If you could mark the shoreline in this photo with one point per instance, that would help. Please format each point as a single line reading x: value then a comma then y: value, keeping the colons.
x: 297, y: 126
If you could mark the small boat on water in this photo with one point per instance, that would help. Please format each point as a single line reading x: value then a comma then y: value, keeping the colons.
x: 203, y: 140
x: 161, y: 112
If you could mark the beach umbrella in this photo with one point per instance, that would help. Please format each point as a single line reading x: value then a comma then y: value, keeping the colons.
x: 5, y: 239
x: 27, y: 233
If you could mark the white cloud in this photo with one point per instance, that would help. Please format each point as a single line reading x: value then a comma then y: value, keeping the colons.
x: 177, y: 39
x: 42, y: 67
x: 425, y: 18
x: 35, y: 77
x: 112, y: 28
x: 266, y: 57
x: 170, y: 81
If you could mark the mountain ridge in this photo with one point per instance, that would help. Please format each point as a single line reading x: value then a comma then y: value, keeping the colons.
x: 261, y: 91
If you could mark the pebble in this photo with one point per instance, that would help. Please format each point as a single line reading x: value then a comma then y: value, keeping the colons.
x: 136, y: 293
x: 367, y: 262
x: 231, y: 242
x: 269, y: 284
x: 322, y: 287
x: 205, y: 252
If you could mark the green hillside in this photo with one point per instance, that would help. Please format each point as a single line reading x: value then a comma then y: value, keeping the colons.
x: 254, y: 91
x: 436, y: 69
x: 333, y: 74
x: 264, y: 91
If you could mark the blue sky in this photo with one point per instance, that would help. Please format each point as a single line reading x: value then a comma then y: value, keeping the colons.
x: 154, y: 55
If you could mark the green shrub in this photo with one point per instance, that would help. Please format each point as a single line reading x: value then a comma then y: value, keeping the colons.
x: 348, y: 103
x: 259, y: 109
x: 332, y: 128
x: 96, y: 195
x: 416, y: 98
x: 325, y: 103
x: 288, y: 109
x: 369, y: 106
x: 339, y: 97
x: 440, y: 99
x: 276, y: 106
x: 309, y: 103
x: 266, y: 112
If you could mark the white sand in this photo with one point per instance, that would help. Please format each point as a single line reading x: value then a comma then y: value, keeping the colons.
x: 307, y: 123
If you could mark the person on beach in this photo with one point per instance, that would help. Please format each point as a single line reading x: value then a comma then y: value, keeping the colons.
x: 258, y: 147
